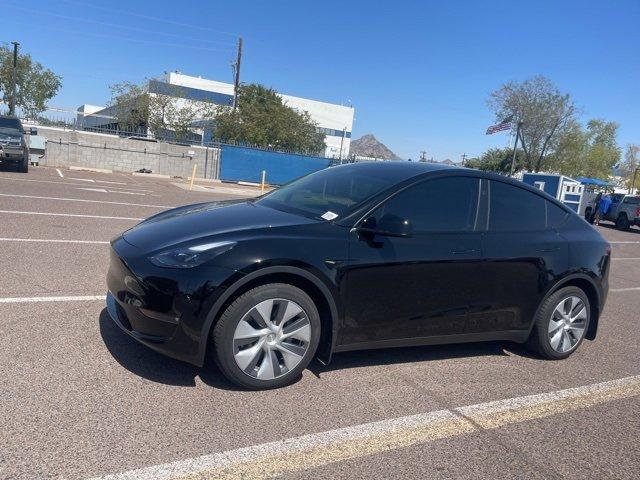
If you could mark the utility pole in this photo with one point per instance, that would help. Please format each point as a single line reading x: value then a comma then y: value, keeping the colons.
x: 14, y: 76
x: 344, y: 134
x: 515, y: 145
x: 236, y: 68
x: 464, y: 157
x: 423, y: 156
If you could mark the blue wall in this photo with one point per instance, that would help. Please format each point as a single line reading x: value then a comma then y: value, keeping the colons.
x: 247, y: 164
x: 550, y: 182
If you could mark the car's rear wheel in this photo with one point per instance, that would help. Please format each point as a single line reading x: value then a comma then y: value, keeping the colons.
x: 24, y: 165
x: 589, y: 215
x: 622, y: 222
x: 267, y: 336
x: 560, y: 324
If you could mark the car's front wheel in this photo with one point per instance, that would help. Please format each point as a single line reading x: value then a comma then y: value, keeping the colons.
x: 267, y: 336
x: 560, y: 323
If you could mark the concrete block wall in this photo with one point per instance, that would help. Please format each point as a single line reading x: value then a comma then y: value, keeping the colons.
x: 66, y: 148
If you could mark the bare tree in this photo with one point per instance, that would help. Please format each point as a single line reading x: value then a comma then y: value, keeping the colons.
x: 543, y: 110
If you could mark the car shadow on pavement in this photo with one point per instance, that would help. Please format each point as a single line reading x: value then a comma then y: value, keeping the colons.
x: 146, y: 363
x: 388, y: 356
x: 612, y: 226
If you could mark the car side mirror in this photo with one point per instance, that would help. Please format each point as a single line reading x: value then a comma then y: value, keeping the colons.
x: 33, y: 131
x: 388, y: 226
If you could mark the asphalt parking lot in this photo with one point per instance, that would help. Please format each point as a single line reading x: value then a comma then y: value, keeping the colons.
x: 79, y: 399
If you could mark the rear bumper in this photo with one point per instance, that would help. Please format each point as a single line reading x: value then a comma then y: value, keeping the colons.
x: 162, y: 308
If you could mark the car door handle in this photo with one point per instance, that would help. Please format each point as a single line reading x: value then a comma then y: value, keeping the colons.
x: 549, y: 249
x: 464, y: 251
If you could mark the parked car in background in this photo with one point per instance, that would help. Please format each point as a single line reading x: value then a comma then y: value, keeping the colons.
x: 14, y: 147
x: 624, y: 211
x: 360, y: 256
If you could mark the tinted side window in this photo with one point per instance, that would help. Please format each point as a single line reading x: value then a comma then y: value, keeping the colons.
x: 515, y: 209
x: 555, y: 215
x: 444, y: 204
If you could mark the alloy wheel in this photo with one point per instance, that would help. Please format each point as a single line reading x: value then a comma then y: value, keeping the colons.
x: 271, y: 339
x: 567, y: 324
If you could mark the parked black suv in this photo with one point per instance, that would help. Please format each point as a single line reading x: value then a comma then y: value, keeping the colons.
x: 359, y: 256
x: 14, y: 147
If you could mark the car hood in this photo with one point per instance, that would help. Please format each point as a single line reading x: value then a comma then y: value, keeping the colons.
x: 191, y: 222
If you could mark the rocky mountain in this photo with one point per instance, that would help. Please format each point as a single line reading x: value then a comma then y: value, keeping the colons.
x: 370, y: 146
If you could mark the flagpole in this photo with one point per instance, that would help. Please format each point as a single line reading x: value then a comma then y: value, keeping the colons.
x: 515, y: 146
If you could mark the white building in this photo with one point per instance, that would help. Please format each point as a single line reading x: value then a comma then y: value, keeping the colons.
x: 335, y: 121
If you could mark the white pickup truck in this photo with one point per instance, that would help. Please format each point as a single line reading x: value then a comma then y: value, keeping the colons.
x: 624, y: 211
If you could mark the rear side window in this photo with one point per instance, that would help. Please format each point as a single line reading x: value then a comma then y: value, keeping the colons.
x: 513, y: 209
x: 555, y: 215
x: 439, y: 205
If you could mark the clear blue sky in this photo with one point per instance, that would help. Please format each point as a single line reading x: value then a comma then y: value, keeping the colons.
x: 418, y: 73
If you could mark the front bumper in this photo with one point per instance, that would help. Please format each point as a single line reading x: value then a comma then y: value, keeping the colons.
x: 162, y: 308
x: 12, y: 155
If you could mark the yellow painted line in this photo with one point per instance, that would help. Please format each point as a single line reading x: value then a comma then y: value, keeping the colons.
x: 314, y: 450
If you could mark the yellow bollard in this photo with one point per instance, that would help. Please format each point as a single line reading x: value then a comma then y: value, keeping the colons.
x: 193, y: 176
x: 264, y: 177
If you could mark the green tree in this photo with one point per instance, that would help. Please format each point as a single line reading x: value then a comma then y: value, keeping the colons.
x: 629, y: 165
x: 263, y: 119
x: 498, y: 160
x: 35, y: 84
x: 131, y: 105
x: 543, y: 111
x: 135, y: 108
x: 590, y: 152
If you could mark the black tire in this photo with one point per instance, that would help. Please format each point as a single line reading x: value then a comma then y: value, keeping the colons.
x: 223, y: 334
x: 622, y: 222
x: 589, y: 216
x: 24, y: 165
x: 538, y: 340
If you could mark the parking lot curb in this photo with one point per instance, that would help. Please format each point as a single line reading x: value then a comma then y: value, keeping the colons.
x: 150, y: 175
x: 90, y: 169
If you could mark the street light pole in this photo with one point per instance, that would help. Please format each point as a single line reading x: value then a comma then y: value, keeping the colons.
x: 14, y: 76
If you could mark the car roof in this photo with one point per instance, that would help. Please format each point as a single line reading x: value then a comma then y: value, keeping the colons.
x: 399, y: 170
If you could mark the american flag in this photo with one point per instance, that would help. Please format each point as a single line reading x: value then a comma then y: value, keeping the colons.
x: 498, y: 127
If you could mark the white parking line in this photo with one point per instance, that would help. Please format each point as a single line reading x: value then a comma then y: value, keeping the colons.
x: 622, y: 243
x: 296, y: 454
x: 53, y: 240
x: 83, y: 200
x: 85, y: 298
x: 104, y: 190
x: 58, y: 182
x: 112, y: 183
x: 625, y: 258
x: 59, y: 173
x: 628, y: 289
x: 82, y: 179
x: 70, y: 215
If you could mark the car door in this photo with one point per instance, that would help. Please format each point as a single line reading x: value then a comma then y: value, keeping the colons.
x: 523, y: 254
x: 420, y: 285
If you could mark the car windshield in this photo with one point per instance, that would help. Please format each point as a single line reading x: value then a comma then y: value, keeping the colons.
x: 329, y: 193
x: 8, y: 123
x: 12, y: 132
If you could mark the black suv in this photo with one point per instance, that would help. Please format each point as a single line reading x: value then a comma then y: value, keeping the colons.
x: 14, y: 148
x: 361, y: 256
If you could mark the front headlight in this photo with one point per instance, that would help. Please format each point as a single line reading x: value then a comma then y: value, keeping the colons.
x: 189, y: 257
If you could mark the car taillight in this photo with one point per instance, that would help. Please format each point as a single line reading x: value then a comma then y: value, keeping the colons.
x: 638, y: 212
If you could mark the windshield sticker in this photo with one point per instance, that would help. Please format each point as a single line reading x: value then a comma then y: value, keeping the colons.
x: 330, y: 215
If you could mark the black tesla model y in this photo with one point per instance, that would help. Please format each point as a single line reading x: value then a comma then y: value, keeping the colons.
x: 356, y: 257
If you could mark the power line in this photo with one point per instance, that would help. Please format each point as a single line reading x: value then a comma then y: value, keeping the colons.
x: 148, y: 17
x: 117, y: 25
x: 126, y: 39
